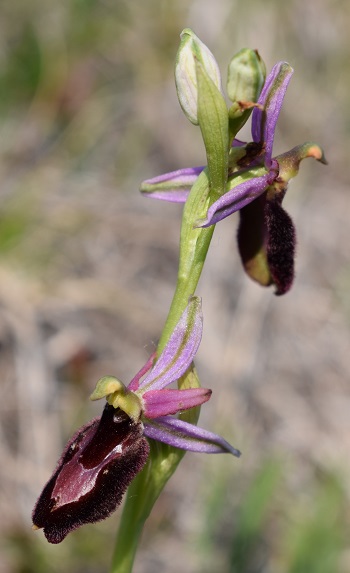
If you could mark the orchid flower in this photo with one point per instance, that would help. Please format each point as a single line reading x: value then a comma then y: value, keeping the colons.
x: 256, y: 186
x: 103, y: 457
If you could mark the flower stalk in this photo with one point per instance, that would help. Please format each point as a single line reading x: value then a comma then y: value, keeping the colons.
x: 145, y: 489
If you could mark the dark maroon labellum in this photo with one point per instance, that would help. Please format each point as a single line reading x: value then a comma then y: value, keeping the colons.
x: 95, y: 469
x: 280, y: 244
x: 252, y: 238
x: 266, y: 242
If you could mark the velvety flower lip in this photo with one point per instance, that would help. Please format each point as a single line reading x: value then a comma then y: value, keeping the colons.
x: 103, y: 457
x: 93, y: 473
x: 280, y: 244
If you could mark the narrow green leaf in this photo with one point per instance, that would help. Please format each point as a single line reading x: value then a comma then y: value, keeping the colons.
x: 213, y: 121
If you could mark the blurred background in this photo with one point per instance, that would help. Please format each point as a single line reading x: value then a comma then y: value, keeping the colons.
x: 87, y: 271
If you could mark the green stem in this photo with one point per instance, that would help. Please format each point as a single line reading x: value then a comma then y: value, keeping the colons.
x: 126, y: 543
x: 141, y: 497
x: 194, y: 245
x: 163, y: 460
x: 184, y: 289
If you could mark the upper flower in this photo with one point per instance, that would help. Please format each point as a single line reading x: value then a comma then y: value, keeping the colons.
x: 256, y: 186
x: 101, y: 460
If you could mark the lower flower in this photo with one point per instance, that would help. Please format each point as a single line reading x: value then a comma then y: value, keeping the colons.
x: 103, y: 457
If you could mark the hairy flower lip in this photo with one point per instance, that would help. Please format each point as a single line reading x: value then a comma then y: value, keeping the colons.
x: 93, y: 473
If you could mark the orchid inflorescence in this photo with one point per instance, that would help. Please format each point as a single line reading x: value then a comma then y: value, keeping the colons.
x: 111, y: 452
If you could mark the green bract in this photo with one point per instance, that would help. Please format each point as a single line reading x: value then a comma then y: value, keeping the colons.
x: 213, y: 121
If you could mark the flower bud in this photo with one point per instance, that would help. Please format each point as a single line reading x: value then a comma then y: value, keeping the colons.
x: 192, y: 49
x: 245, y: 80
x: 246, y: 76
